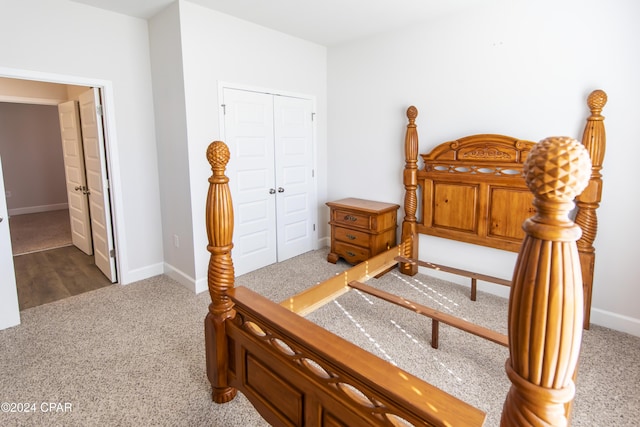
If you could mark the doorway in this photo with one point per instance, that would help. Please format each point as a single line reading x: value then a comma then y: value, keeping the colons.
x: 67, y: 261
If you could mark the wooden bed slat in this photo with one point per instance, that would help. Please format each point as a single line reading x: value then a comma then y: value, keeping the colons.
x: 460, y: 272
x: 436, y: 315
x: 315, y: 297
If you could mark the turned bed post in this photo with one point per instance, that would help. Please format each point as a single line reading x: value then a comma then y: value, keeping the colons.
x: 410, y: 180
x: 594, y: 140
x: 220, y: 276
x: 546, y: 303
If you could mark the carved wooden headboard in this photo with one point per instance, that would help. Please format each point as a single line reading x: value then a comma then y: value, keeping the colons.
x: 474, y: 191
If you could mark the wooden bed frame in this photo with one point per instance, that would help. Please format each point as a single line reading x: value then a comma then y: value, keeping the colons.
x: 296, y: 373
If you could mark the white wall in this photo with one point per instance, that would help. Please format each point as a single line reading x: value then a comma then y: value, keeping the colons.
x: 66, y: 42
x: 517, y: 68
x: 171, y: 132
x: 33, y: 160
x: 219, y: 48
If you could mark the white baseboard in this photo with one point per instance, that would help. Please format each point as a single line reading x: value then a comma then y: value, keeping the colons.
x: 141, y: 274
x: 324, y: 242
x: 195, y: 286
x: 202, y: 285
x: 37, y: 209
x: 615, y: 321
x: 180, y: 277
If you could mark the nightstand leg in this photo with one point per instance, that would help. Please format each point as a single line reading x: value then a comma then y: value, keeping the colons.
x: 332, y: 258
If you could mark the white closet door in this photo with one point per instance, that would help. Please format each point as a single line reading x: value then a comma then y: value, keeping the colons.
x: 294, y: 175
x: 75, y: 176
x: 271, y: 176
x: 248, y: 124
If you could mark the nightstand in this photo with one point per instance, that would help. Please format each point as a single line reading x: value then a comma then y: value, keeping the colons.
x: 361, y: 229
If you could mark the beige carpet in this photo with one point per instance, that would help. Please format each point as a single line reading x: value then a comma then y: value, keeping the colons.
x: 134, y: 355
x: 39, y: 231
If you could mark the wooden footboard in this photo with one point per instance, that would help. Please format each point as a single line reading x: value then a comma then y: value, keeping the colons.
x: 296, y: 373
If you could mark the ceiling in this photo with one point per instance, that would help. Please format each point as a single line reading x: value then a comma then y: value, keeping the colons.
x: 325, y: 22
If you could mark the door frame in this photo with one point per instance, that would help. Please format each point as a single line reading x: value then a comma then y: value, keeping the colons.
x: 314, y: 147
x: 111, y: 145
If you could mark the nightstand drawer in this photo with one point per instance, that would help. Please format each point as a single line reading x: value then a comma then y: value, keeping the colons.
x: 352, y: 254
x: 353, y: 237
x: 352, y: 219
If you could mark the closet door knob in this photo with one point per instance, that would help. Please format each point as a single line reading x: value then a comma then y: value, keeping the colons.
x: 82, y: 188
x: 272, y: 191
x: 280, y: 190
x: 1, y: 219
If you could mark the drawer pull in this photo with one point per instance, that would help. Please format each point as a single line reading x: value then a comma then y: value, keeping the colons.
x: 350, y: 253
x: 351, y: 237
x: 350, y: 218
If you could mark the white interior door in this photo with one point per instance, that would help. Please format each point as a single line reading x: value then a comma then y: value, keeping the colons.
x: 248, y: 124
x: 295, y: 201
x: 9, y: 309
x: 97, y: 182
x: 271, y: 176
x: 75, y: 176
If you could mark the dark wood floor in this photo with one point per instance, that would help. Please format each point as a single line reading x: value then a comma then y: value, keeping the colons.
x: 47, y: 276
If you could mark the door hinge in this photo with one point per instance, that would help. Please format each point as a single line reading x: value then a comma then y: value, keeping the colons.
x: 112, y: 253
x: 224, y: 109
x: 313, y: 173
x: 99, y: 110
x: 108, y: 184
x: 313, y: 116
x: 314, y: 227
